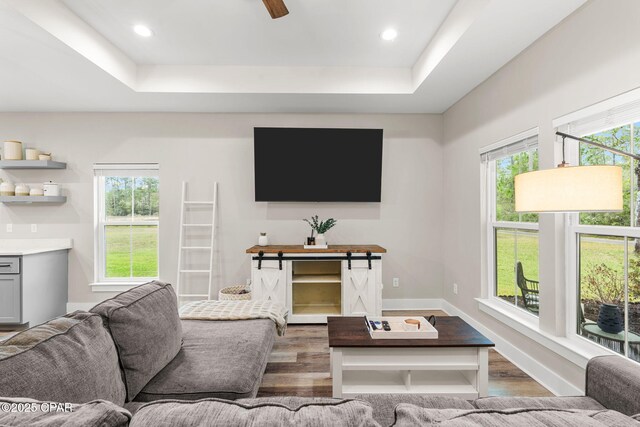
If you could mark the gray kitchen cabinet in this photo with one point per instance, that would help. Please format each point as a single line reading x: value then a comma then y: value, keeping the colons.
x: 33, y: 287
x: 10, y: 300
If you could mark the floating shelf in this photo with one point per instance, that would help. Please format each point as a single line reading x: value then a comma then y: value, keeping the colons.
x: 31, y: 164
x: 33, y: 199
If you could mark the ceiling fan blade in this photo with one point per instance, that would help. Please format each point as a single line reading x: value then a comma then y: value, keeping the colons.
x: 276, y: 8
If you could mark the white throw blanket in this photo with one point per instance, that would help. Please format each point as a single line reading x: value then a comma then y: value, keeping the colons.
x: 236, y: 310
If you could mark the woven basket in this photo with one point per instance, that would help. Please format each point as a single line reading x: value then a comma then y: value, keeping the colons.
x: 232, y: 293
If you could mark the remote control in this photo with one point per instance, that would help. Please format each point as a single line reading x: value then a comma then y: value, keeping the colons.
x: 385, y: 326
x: 373, y: 325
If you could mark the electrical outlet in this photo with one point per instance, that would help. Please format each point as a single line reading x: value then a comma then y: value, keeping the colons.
x: 455, y: 288
x: 9, y: 228
x: 396, y: 282
x: 34, y: 228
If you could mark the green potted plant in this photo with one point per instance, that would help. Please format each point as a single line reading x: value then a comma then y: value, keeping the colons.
x: 607, y: 285
x: 320, y: 227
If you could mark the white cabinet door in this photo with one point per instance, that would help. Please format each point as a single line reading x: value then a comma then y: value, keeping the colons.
x: 269, y: 282
x: 359, y: 289
x: 10, y: 299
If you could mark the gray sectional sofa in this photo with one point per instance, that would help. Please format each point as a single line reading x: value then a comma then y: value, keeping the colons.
x: 131, y: 361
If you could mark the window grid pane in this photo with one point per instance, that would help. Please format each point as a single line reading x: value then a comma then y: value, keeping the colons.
x: 515, y: 249
x: 608, y: 291
x: 506, y: 170
x: 517, y: 268
x: 129, y: 218
x: 620, y: 138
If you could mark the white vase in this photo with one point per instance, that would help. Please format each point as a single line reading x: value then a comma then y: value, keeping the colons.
x: 263, y: 240
x: 320, y: 241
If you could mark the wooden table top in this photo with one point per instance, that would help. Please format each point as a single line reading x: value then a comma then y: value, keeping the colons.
x: 333, y: 249
x: 452, y: 332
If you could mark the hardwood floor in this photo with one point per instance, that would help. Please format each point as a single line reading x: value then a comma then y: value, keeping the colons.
x: 299, y: 366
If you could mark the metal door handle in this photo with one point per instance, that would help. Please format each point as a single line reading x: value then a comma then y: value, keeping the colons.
x: 5, y: 265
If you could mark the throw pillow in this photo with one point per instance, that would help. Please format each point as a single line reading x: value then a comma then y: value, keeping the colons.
x: 145, y: 326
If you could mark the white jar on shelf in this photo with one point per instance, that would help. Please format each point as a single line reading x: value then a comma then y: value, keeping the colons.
x: 7, y: 189
x: 22, y: 190
x: 51, y: 189
x: 12, y: 150
x: 31, y: 154
x: 263, y: 240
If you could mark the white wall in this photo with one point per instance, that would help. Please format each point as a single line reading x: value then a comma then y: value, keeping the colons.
x: 592, y: 55
x: 202, y: 148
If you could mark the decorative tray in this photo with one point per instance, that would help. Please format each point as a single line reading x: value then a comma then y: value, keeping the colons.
x: 396, y: 323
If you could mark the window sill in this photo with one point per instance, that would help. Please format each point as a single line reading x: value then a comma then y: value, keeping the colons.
x: 576, y: 349
x: 499, y: 307
x: 113, y: 286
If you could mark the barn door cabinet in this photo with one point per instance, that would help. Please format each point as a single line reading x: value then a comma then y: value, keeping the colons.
x: 269, y: 282
x: 315, y: 283
x: 362, y: 288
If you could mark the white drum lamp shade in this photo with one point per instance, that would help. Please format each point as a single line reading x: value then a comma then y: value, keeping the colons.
x: 570, y: 189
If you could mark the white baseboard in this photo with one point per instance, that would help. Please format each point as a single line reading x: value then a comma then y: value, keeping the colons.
x: 84, y: 306
x: 536, y: 370
x: 412, y: 304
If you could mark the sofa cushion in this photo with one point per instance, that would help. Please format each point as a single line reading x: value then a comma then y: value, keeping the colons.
x: 224, y: 359
x: 411, y: 415
x: 614, y: 381
x: 22, y: 412
x: 384, y: 404
x: 145, y: 326
x: 217, y: 412
x: 68, y: 359
x: 578, y: 402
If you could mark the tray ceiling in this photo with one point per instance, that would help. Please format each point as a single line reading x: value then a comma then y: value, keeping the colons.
x: 82, y: 55
x: 240, y: 32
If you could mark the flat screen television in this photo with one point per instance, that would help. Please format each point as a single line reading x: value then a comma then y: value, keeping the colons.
x: 317, y: 165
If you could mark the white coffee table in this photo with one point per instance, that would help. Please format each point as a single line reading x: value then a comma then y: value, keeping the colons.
x: 454, y: 364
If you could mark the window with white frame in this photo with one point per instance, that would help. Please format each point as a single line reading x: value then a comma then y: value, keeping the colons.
x: 605, y: 247
x: 127, y: 220
x: 512, y: 237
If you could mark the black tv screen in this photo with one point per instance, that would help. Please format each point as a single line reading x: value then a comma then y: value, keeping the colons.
x: 317, y: 165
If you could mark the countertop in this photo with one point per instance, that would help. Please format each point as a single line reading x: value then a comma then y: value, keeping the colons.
x: 333, y: 249
x: 18, y: 247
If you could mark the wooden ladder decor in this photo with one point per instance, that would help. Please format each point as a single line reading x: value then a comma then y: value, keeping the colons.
x: 183, y: 272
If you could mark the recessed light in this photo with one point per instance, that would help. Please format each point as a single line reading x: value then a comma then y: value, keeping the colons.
x: 142, y: 30
x: 389, y: 34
